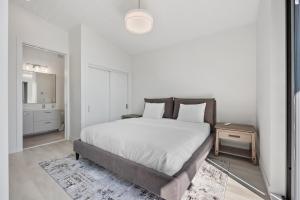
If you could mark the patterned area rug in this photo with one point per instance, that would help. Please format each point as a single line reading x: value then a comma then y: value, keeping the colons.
x: 84, y: 180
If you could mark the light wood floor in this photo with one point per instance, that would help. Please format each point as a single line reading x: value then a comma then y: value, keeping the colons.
x: 35, y: 140
x: 28, y: 181
x: 243, y: 171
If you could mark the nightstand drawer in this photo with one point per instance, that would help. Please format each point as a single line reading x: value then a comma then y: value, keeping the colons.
x: 234, y: 136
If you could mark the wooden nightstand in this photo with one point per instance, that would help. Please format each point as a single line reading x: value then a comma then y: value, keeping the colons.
x: 237, y: 133
x: 130, y: 116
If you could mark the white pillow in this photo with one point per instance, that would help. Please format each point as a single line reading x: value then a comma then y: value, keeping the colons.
x: 154, y: 110
x: 192, y: 112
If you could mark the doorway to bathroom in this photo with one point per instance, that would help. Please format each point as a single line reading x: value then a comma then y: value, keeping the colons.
x: 43, y: 96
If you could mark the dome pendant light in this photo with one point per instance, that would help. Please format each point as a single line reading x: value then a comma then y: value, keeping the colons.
x: 138, y: 21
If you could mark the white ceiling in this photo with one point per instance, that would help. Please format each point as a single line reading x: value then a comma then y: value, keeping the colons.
x: 175, y: 20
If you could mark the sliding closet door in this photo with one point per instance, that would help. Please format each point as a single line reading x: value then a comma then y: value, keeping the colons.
x: 118, y: 94
x: 97, y: 96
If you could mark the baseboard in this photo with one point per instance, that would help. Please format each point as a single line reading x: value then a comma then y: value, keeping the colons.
x: 276, y: 197
x: 263, y: 172
x: 56, y: 141
x: 265, y: 178
x: 73, y: 139
x: 267, y: 183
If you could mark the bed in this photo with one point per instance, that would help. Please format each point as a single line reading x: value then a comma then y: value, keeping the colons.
x: 160, y: 155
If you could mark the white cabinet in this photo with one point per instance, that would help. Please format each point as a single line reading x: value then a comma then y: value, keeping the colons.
x: 45, y: 126
x: 46, y: 115
x: 106, y: 95
x: 41, y: 121
x: 27, y: 122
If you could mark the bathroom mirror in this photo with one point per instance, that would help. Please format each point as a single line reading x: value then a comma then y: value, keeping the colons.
x: 38, y: 88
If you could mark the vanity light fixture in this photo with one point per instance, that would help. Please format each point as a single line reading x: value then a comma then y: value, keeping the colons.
x: 138, y: 21
x: 35, y: 68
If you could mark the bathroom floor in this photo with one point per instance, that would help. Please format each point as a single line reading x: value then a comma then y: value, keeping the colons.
x: 36, y: 140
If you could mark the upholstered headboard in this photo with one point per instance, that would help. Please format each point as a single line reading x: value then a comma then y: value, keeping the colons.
x: 210, y: 109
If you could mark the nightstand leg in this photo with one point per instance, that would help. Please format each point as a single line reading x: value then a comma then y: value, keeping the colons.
x: 217, y: 144
x: 253, y: 149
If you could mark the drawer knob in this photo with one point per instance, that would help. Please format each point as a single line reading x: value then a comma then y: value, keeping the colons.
x: 234, y: 136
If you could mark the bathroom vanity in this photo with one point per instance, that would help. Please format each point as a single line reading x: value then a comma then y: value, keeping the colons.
x: 40, y: 114
x: 41, y: 121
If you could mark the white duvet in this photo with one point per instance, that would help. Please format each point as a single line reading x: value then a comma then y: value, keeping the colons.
x: 161, y: 144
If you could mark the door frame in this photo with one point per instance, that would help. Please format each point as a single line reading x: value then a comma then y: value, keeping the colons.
x: 19, y: 102
x: 295, y: 126
x: 293, y: 110
x: 290, y: 94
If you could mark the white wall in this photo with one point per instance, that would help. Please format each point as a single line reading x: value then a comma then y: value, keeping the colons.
x: 221, y: 65
x: 75, y: 44
x: 271, y: 93
x: 28, y: 28
x: 96, y: 51
x: 100, y: 51
x: 55, y: 65
x: 4, y: 99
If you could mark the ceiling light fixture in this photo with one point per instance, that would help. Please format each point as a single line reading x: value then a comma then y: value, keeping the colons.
x: 138, y: 21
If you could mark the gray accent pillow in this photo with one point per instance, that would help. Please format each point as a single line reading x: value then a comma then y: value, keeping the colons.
x: 169, y: 105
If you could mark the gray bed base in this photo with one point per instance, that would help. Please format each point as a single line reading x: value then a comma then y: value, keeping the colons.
x: 167, y: 187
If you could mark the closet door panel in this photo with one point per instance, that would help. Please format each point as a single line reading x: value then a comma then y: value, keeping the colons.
x: 97, y: 96
x: 119, y: 95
